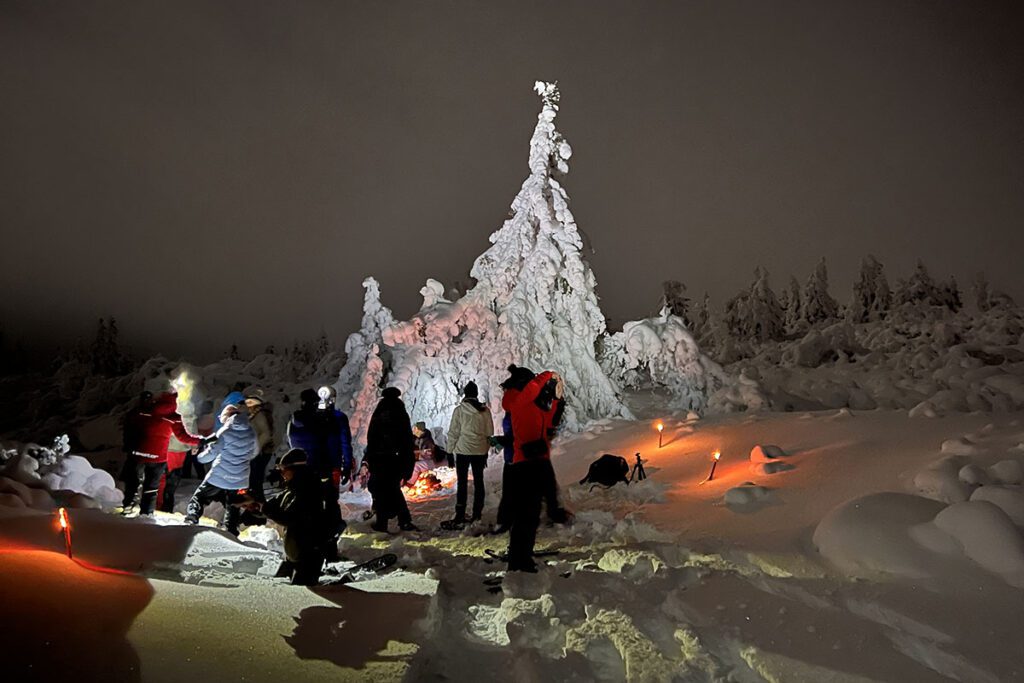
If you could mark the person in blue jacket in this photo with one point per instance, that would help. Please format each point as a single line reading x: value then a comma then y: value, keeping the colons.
x: 228, y: 478
x: 323, y: 432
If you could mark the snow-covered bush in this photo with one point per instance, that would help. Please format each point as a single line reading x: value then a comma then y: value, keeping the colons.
x: 37, y: 474
x: 661, y: 350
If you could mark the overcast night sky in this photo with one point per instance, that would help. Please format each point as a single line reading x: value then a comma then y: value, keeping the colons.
x: 228, y: 172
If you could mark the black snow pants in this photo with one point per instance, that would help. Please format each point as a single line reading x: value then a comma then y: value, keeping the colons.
x: 208, y: 493
x: 257, y: 474
x: 505, y: 504
x: 528, y: 488
x: 388, y: 499
x: 462, y: 466
x: 170, y: 487
x: 149, y: 475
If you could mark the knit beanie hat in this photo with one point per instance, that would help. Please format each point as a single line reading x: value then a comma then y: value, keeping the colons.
x: 471, y: 391
x: 392, y: 392
x: 293, y: 458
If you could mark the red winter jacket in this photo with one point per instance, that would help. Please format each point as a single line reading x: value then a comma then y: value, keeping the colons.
x: 152, y: 431
x: 529, y: 422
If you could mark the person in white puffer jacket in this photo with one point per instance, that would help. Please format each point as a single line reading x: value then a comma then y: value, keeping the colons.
x: 228, y: 478
x: 469, y: 435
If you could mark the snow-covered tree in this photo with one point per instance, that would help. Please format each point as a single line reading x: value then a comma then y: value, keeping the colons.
x: 767, y: 317
x: 792, y: 307
x: 920, y: 288
x: 534, y: 304
x: 702, y: 316
x: 981, y: 292
x: 674, y: 299
x: 871, y: 296
x: 949, y: 295
x: 662, y: 350
x: 816, y: 304
x: 755, y: 313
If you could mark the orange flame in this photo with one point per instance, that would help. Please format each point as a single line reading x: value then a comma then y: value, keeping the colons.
x: 660, y: 427
x: 62, y: 518
x: 424, y: 486
x: 717, y: 455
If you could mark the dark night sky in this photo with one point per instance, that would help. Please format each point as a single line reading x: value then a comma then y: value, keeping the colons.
x: 218, y: 172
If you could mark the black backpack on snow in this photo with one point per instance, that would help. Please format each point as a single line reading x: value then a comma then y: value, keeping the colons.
x: 608, y: 470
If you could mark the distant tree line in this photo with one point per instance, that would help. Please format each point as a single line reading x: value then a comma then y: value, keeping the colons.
x: 758, y: 314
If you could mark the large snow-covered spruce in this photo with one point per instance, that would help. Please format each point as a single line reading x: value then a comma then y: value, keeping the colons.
x: 533, y: 304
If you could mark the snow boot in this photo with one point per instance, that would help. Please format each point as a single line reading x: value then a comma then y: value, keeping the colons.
x: 380, y: 526
x: 457, y: 523
x: 408, y: 526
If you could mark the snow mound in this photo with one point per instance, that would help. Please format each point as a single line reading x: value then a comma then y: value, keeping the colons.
x: 76, y: 474
x: 1006, y: 472
x: 870, y: 535
x: 941, y: 481
x: 973, y: 475
x: 987, y: 536
x: 638, y: 565
x: 1009, y: 499
x: 745, y: 494
x: 962, y: 446
x: 766, y: 453
x: 914, y: 537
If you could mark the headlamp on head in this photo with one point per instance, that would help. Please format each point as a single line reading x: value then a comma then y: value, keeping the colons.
x: 325, y: 396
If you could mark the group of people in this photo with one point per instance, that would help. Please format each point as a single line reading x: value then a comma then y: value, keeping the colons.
x: 319, y: 464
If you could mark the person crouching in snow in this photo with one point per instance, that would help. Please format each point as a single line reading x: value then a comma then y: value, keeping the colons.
x: 150, y: 435
x: 231, y: 454
x: 469, y: 432
x: 390, y: 457
x: 302, y: 511
x: 535, y: 414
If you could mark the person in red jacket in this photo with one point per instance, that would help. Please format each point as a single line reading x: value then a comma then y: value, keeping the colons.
x: 152, y: 433
x: 536, y: 411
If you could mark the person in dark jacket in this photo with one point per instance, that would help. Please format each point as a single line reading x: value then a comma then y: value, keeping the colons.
x: 535, y: 414
x: 301, y: 510
x: 323, y: 433
x: 129, y: 441
x: 390, y: 457
x: 150, y: 434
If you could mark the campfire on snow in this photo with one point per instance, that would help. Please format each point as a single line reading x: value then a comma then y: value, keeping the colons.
x: 426, y: 484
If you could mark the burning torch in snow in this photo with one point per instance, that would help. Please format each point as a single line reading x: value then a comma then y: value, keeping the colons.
x: 64, y: 524
x: 661, y: 433
x: 714, y: 463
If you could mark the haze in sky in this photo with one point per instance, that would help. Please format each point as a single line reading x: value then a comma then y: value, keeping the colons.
x: 218, y: 173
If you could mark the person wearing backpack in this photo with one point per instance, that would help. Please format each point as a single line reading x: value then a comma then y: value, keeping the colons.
x: 469, y: 432
x: 535, y: 414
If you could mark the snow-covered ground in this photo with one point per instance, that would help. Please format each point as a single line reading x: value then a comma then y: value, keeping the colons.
x: 751, y: 576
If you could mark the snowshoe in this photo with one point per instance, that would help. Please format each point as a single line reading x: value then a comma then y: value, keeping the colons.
x: 369, y: 567
x: 376, y: 564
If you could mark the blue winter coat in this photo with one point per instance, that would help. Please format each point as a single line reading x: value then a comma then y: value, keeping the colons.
x: 325, y: 436
x: 235, y: 447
